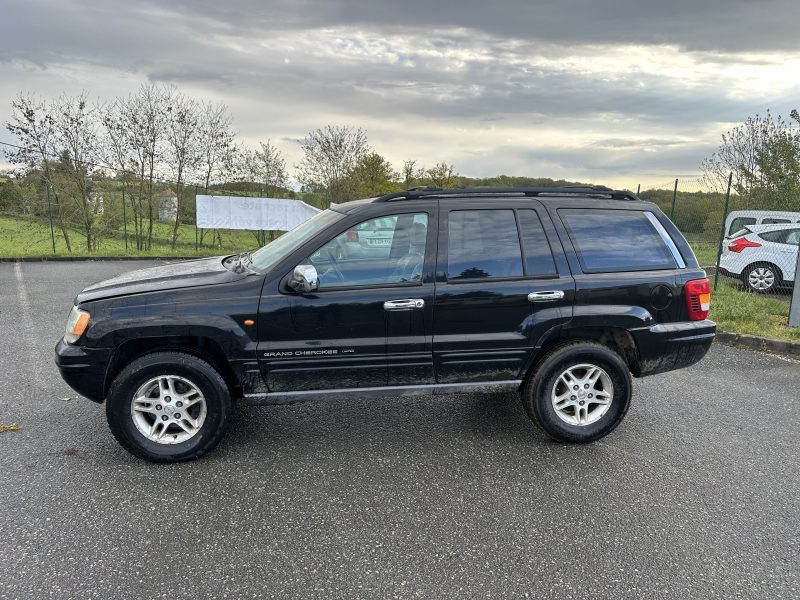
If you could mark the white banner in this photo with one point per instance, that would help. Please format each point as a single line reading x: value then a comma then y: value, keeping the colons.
x: 238, y: 212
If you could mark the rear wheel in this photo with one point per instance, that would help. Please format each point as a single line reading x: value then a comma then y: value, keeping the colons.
x: 168, y: 407
x: 761, y: 278
x: 579, y: 392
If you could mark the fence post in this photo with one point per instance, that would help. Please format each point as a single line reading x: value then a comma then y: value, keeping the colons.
x: 195, y: 219
x: 125, y: 219
x: 794, y: 307
x: 722, y: 229
x: 50, y: 218
x: 674, y: 195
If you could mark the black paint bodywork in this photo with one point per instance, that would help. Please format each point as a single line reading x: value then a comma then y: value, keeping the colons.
x: 481, y: 331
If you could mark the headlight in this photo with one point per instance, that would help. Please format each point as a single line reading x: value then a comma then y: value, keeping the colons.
x: 77, y: 322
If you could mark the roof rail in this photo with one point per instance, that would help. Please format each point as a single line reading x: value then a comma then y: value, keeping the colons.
x: 598, y: 191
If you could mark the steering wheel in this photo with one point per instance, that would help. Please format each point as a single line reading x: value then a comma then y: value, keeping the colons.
x: 334, y: 267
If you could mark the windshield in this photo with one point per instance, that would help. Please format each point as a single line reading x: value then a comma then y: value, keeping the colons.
x: 267, y: 256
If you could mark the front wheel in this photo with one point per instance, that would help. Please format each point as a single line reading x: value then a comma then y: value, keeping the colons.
x: 579, y: 393
x: 168, y: 407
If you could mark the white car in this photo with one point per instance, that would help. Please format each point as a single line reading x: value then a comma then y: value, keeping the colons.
x: 764, y: 256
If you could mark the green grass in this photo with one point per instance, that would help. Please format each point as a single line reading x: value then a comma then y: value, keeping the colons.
x: 738, y: 311
x: 706, y: 253
x: 31, y: 238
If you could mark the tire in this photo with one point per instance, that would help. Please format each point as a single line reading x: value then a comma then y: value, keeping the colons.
x: 599, y: 419
x: 154, y: 379
x: 761, y: 278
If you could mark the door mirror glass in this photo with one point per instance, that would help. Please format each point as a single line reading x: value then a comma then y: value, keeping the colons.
x: 304, y: 279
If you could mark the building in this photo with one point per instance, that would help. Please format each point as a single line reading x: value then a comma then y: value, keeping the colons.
x: 167, y: 205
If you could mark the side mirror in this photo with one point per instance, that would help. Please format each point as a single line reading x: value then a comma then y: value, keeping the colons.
x: 304, y: 279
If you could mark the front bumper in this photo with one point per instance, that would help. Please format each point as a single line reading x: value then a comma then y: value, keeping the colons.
x: 669, y: 346
x: 84, y: 369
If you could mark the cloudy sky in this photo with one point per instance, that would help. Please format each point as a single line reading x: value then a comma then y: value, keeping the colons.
x: 609, y: 92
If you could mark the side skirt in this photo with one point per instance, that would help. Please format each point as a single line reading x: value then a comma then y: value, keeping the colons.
x: 435, y: 389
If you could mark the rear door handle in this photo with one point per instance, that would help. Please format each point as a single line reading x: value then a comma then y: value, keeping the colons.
x: 410, y: 304
x: 549, y: 296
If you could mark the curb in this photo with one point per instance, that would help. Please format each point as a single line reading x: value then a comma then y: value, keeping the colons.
x: 762, y: 344
x: 11, y: 259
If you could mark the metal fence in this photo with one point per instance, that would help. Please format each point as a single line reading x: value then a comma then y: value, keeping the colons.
x: 747, y: 242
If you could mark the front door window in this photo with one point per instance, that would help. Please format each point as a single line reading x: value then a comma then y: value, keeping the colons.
x: 382, y: 251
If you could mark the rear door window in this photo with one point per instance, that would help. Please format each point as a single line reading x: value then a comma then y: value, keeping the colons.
x: 609, y: 241
x: 481, y: 244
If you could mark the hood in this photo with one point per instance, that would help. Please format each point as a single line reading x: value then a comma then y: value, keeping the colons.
x: 191, y: 273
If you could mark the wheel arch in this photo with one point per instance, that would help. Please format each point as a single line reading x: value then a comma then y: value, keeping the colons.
x: 759, y: 263
x: 202, y: 347
x: 617, y: 339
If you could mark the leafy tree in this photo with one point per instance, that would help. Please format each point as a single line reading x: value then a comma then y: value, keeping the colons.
x: 371, y: 176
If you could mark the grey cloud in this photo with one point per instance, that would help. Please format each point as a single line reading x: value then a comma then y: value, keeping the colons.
x: 401, y: 68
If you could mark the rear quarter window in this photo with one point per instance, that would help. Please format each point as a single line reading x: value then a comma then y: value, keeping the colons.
x: 609, y: 241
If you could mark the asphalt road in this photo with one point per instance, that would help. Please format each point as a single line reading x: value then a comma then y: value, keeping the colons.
x: 696, y: 494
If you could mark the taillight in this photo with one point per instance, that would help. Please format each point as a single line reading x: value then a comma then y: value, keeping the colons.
x: 698, y: 298
x: 352, y: 236
x: 741, y: 243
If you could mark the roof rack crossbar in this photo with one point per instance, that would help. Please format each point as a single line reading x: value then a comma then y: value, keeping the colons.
x: 599, y: 191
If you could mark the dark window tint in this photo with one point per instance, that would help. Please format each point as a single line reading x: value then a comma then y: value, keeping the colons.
x: 739, y: 222
x: 774, y: 221
x: 616, y: 240
x: 538, y: 256
x: 483, y: 243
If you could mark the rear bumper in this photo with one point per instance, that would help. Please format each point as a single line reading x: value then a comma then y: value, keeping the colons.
x: 669, y: 346
x: 84, y: 369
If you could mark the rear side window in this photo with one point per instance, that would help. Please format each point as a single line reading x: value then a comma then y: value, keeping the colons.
x: 482, y: 243
x: 784, y: 236
x: 774, y: 221
x: 538, y: 256
x: 739, y: 223
x: 608, y: 241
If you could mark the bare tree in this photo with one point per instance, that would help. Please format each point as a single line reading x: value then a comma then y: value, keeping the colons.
x: 265, y: 166
x: 329, y: 155
x: 35, y: 129
x: 182, y: 146
x: 145, y: 117
x: 115, y: 150
x: 76, y: 137
x: 216, y: 147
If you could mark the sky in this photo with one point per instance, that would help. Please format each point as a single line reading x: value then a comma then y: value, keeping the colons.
x: 615, y: 93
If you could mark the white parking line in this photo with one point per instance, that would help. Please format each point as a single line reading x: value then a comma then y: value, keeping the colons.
x: 26, y: 317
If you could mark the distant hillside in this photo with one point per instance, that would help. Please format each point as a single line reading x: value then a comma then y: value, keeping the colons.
x: 513, y: 181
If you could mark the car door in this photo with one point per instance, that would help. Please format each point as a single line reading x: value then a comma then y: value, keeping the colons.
x: 368, y: 324
x: 499, y: 288
x: 781, y: 247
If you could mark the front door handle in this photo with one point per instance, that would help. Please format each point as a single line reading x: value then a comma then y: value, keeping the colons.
x: 549, y: 296
x: 410, y: 304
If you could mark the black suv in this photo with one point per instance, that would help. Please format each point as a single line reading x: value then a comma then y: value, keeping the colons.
x: 559, y: 293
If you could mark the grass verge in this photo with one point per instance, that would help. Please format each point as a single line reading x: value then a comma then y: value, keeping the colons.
x: 739, y: 311
x: 31, y: 238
